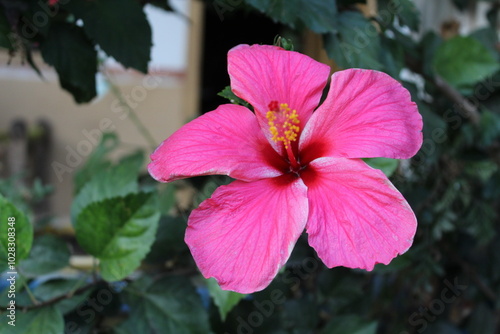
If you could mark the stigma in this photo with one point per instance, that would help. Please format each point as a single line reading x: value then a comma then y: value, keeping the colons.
x: 283, y: 123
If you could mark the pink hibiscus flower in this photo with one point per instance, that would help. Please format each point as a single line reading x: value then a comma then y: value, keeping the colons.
x: 53, y: 2
x: 295, y: 168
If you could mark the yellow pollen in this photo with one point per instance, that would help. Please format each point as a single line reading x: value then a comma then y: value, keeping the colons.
x: 283, y: 123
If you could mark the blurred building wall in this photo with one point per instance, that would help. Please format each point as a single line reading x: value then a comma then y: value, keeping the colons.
x: 163, y: 100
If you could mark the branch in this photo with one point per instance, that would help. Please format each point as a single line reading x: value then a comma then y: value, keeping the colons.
x: 470, y: 111
x: 55, y: 299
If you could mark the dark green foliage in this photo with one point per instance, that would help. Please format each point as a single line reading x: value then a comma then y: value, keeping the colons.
x: 168, y: 303
x: 123, y: 34
x: 74, y: 57
x: 145, y: 280
x: 315, y: 14
x: 354, y: 43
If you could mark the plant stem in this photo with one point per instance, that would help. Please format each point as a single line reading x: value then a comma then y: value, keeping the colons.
x: 30, y: 294
x: 131, y: 113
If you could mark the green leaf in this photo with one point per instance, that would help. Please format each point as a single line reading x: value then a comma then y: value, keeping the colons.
x: 169, y: 240
x: 435, y: 128
x: 119, y: 231
x: 355, y: 43
x: 163, y: 4
x: 14, y: 222
x: 119, y: 27
x: 317, y: 15
x: 60, y: 287
x: 227, y: 93
x: 301, y: 314
x: 489, y: 39
x: 395, y: 266
x: 119, y: 180
x: 350, y: 324
x: 490, y: 128
x: 463, y: 61
x: 392, y: 56
x: 210, y: 186
x: 5, y: 40
x: 47, y: 255
x: 74, y: 57
x: 97, y: 160
x: 48, y: 320
x: 169, y: 303
x: 386, y: 165
x: 225, y: 300
x: 405, y: 10
x: 429, y: 44
x: 166, y: 198
x: 409, y: 14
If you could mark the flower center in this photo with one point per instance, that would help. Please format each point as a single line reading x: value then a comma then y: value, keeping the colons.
x: 283, y: 123
x: 284, y: 126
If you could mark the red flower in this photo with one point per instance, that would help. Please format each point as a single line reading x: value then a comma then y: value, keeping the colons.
x: 296, y: 168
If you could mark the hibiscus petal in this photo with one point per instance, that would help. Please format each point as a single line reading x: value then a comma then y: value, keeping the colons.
x: 245, y: 232
x: 366, y: 114
x: 356, y: 217
x: 263, y: 73
x: 226, y: 141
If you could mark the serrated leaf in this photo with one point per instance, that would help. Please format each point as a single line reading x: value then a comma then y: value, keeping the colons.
x: 463, y: 61
x: 97, y: 160
x: 355, y: 43
x: 119, y: 231
x: 169, y: 303
x: 317, y: 15
x: 119, y: 180
x: 21, y: 232
x: 119, y: 27
x: 386, y: 165
x: 74, y: 57
x: 47, y: 319
x: 47, y: 255
x: 225, y: 300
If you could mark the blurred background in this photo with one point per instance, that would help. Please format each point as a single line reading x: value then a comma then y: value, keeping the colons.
x: 86, y: 86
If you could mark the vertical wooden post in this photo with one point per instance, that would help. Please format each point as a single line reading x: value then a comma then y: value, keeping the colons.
x: 195, y: 44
